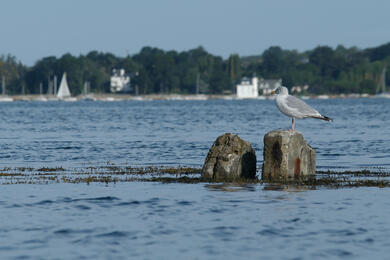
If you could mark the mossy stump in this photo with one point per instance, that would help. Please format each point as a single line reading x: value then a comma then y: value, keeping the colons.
x: 287, y: 155
x: 230, y: 158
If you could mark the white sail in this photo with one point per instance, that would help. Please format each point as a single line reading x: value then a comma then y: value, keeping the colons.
x: 63, y: 91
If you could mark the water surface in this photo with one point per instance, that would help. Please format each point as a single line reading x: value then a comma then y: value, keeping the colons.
x: 142, y: 220
x: 181, y: 132
x: 191, y: 221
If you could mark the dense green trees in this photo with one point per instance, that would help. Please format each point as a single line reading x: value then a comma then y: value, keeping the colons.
x: 324, y: 69
x: 12, y: 72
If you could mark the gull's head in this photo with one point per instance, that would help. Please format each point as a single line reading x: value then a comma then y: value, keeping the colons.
x: 280, y: 90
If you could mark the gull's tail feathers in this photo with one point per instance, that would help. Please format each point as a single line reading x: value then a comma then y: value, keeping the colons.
x: 323, y: 118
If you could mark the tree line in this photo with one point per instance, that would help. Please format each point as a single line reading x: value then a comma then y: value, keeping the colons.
x: 154, y: 71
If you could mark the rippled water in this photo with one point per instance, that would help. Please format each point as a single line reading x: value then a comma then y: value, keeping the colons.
x: 181, y: 132
x: 191, y: 221
x: 141, y: 220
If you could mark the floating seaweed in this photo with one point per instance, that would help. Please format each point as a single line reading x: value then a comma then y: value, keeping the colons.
x: 112, y: 174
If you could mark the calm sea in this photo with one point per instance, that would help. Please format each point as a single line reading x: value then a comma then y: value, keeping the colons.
x: 188, y: 221
x: 74, y: 134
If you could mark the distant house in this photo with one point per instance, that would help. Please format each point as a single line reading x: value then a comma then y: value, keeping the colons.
x: 299, y: 89
x: 267, y: 85
x: 249, y: 88
x: 119, y: 81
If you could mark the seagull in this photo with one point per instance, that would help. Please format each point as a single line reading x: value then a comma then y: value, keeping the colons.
x: 294, y: 107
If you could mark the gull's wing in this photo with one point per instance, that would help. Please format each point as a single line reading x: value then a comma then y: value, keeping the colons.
x: 301, y: 107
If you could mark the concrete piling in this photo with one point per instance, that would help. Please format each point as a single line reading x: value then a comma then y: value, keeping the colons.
x: 230, y: 158
x: 287, y: 155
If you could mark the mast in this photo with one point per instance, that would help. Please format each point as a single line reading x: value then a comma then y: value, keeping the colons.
x: 382, y: 82
x: 40, y: 88
x: 136, y: 85
x: 85, y: 87
x: 55, y: 85
x: 197, y: 83
x: 49, y: 86
x: 3, y: 85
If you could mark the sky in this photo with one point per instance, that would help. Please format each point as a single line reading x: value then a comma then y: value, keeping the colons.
x: 33, y: 29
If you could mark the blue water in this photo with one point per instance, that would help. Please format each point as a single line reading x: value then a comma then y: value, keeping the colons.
x: 138, y: 220
x: 191, y: 221
x: 181, y: 132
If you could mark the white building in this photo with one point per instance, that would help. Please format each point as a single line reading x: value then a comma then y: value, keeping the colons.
x: 119, y: 81
x: 299, y: 89
x: 248, y: 88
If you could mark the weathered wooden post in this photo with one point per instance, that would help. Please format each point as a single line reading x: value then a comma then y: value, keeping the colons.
x: 287, y: 155
x: 230, y: 158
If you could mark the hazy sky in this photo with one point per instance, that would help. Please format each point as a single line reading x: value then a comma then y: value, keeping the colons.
x: 32, y: 29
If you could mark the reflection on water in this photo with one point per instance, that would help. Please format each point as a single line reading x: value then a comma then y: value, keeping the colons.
x: 230, y: 187
x: 288, y: 187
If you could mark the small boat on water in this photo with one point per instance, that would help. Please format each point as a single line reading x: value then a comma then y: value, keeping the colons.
x: 381, y: 89
x: 323, y: 97
x: 41, y: 97
x: 63, y: 92
x: 87, y: 96
x: 383, y: 95
x: 4, y: 97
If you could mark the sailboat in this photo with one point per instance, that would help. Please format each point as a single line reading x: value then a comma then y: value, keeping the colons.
x: 41, y: 96
x: 4, y: 97
x: 381, y: 89
x: 63, y: 92
x: 87, y: 96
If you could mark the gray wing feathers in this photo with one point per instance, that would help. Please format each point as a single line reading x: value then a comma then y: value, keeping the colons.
x: 301, y: 107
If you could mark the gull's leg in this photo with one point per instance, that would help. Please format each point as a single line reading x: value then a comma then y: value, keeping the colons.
x: 292, y: 124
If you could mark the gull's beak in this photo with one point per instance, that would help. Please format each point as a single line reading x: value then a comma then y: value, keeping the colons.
x: 273, y: 92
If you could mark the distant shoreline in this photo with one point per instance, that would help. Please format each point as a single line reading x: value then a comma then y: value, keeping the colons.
x: 126, y: 97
